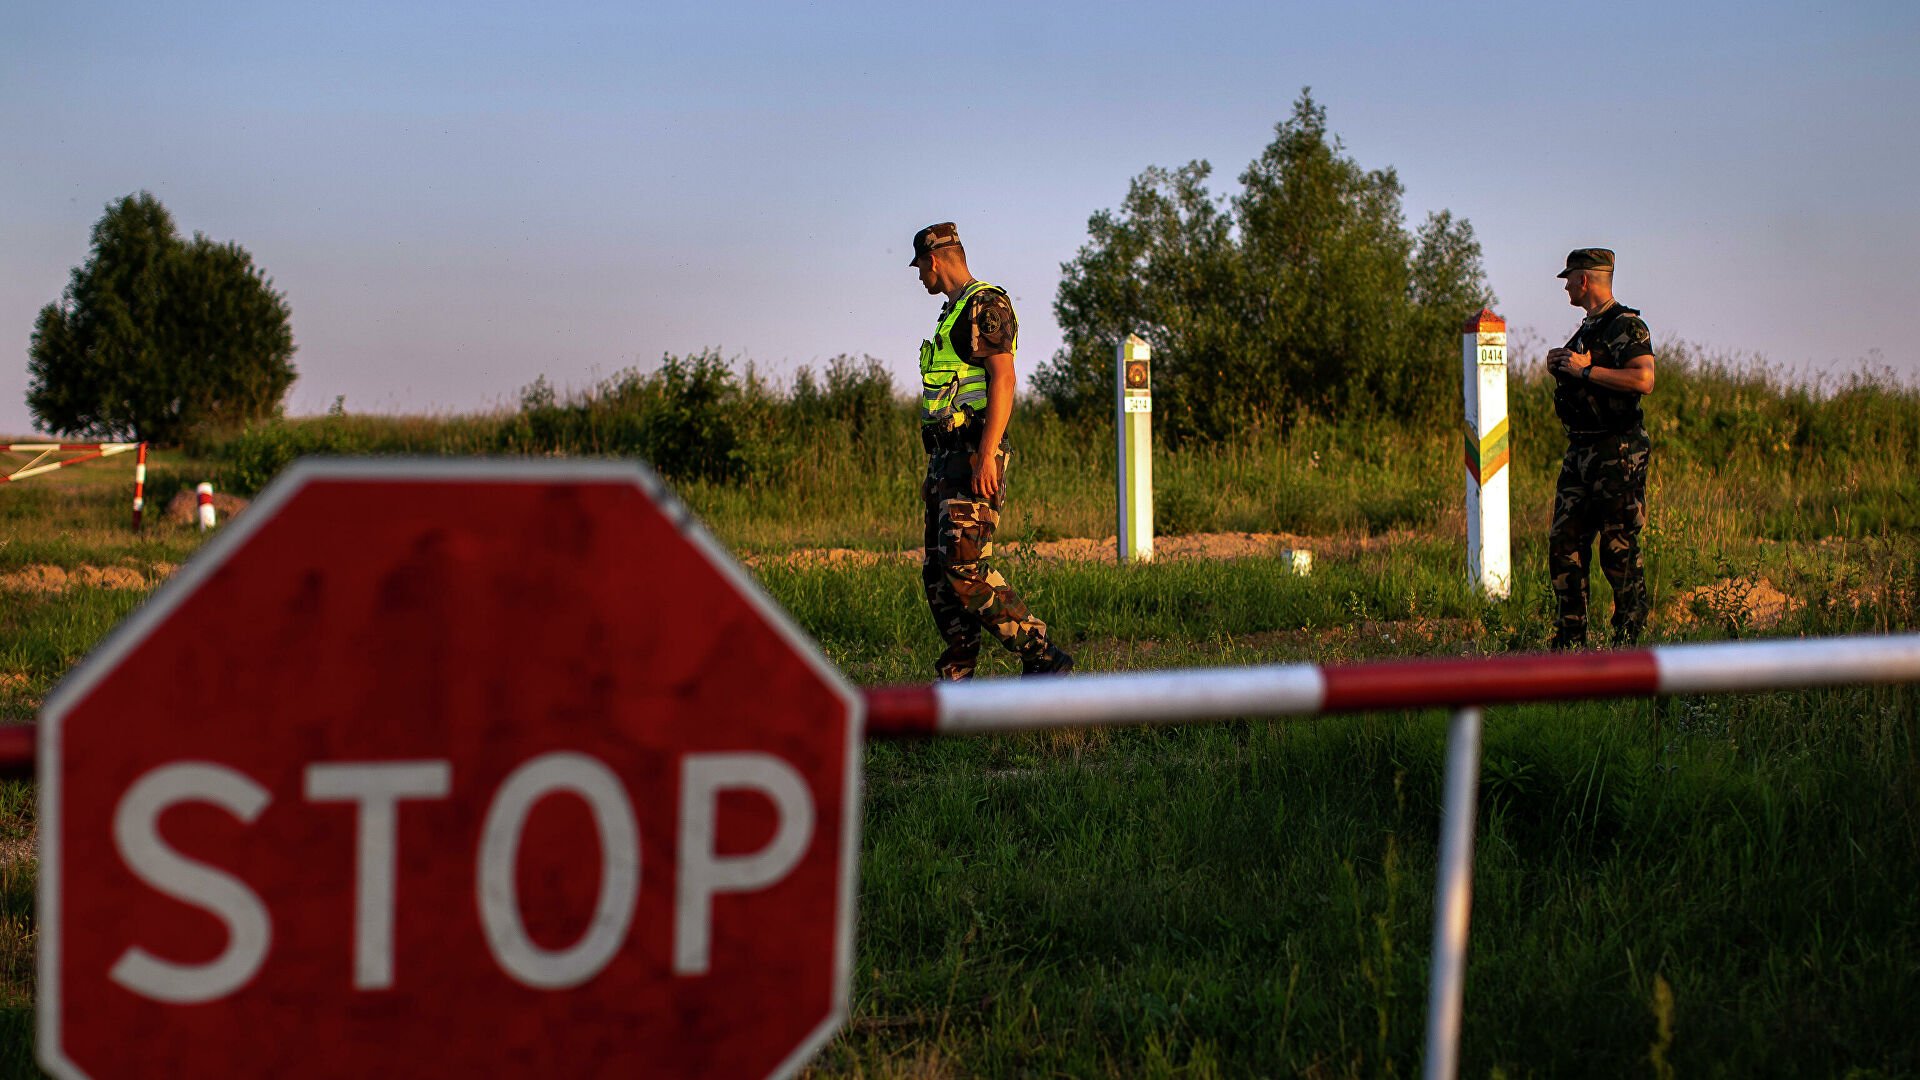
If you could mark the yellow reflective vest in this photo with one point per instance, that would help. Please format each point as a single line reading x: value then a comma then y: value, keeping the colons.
x: 951, y: 388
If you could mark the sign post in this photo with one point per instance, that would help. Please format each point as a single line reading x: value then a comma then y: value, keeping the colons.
x: 512, y: 771
x: 1133, y: 426
x: 1483, y: 362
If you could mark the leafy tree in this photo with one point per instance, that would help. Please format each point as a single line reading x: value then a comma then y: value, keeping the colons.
x: 1304, y: 292
x: 155, y: 335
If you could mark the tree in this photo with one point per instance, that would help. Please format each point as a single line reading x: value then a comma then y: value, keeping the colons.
x: 155, y: 336
x: 1304, y: 292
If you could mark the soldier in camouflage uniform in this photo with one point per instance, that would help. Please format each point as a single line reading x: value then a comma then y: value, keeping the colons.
x: 1600, y: 376
x: 966, y: 375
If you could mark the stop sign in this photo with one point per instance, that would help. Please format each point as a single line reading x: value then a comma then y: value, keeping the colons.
x: 449, y: 768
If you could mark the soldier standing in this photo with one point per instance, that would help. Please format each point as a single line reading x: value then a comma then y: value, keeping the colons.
x: 966, y: 384
x: 1600, y: 376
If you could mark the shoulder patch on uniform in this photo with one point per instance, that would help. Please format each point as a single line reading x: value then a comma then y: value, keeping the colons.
x: 1631, y: 331
x: 992, y: 313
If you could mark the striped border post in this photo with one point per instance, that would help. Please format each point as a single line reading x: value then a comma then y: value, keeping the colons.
x: 1160, y: 697
x: 203, y: 500
x: 1483, y: 385
x: 139, y: 485
x: 1133, y: 450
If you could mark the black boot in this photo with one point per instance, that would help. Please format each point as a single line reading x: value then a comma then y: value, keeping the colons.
x: 1049, y: 661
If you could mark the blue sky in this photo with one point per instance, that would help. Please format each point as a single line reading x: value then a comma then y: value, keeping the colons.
x: 457, y: 198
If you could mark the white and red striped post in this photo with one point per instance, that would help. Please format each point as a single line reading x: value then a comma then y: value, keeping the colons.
x: 139, y: 485
x: 204, y: 497
x: 1483, y: 386
x: 1163, y: 697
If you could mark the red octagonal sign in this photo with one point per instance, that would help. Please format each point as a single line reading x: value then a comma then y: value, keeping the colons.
x: 449, y: 769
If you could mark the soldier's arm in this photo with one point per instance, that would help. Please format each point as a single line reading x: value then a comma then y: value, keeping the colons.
x: 986, y: 471
x: 1636, y: 377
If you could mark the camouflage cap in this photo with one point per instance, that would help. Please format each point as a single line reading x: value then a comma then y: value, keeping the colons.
x: 1588, y: 259
x: 933, y: 236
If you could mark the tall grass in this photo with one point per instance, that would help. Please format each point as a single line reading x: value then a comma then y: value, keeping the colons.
x: 835, y: 460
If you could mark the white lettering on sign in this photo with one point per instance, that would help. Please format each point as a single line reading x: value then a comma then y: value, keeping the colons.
x: 378, y: 788
x: 136, y: 834
x: 703, y: 872
x: 1493, y: 354
x: 606, y: 798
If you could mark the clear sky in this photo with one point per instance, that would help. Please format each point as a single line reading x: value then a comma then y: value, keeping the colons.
x: 459, y: 197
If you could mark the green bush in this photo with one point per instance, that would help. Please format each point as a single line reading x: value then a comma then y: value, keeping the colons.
x: 694, y: 419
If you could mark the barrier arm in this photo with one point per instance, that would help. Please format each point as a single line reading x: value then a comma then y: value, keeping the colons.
x: 1164, y: 697
x: 44, y: 450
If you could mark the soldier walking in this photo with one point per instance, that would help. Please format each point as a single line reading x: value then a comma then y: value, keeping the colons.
x: 1599, y: 377
x: 966, y: 400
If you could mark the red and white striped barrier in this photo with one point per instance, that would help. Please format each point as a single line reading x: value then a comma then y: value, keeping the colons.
x: 1306, y: 689
x: 1167, y: 697
x: 1164, y: 697
x: 87, y: 452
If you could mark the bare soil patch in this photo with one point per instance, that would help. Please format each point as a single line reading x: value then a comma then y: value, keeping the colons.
x: 1753, y: 603
x: 1206, y: 546
x: 53, y: 579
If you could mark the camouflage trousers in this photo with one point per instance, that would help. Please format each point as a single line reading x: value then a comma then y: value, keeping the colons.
x: 963, y: 589
x: 1602, y: 491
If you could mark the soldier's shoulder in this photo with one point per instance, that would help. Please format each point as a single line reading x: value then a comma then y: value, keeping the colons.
x: 1628, y: 328
x: 992, y: 312
x: 993, y: 297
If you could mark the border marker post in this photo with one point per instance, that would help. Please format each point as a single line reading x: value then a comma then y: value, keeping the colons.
x: 1483, y: 362
x: 139, y: 485
x: 1133, y: 463
x: 203, y: 494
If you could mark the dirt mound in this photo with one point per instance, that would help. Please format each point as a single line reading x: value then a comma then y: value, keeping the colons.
x: 59, y: 579
x: 1739, y: 601
x: 184, y: 507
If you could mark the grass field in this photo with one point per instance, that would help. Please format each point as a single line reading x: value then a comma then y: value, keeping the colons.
x: 1719, y: 886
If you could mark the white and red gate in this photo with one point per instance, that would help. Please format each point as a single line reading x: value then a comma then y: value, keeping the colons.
x: 43, y: 462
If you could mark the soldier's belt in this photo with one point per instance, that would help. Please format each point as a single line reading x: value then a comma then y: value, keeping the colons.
x: 940, y: 438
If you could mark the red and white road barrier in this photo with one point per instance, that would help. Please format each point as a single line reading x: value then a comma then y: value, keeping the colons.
x: 1169, y: 697
x: 1306, y: 689
x: 87, y: 452
x: 203, y: 496
x: 1166, y: 697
